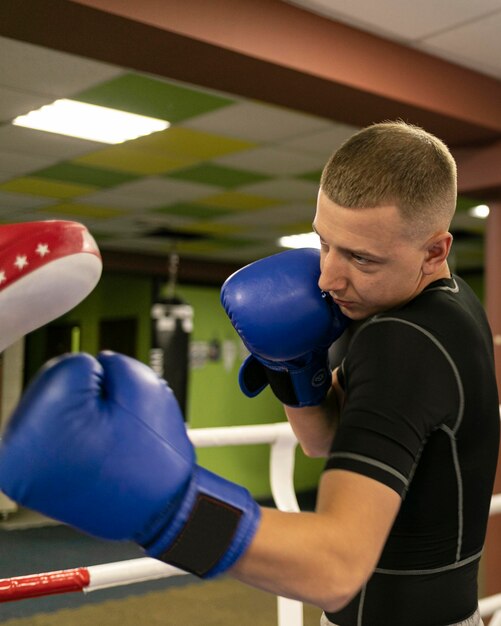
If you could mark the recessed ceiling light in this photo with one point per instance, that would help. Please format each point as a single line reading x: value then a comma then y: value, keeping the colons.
x: 481, y: 211
x: 304, y: 240
x: 89, y: 121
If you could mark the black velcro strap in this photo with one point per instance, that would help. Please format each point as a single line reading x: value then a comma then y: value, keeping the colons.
x: 254, y: 376
x: 281, y: 385
x: 205, y: 538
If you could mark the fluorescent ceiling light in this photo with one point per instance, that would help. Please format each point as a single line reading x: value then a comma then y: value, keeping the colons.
x: 89, y: 121
x: 481, y: 211
x: 305, y: 240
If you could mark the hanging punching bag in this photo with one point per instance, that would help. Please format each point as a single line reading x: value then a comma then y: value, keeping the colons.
x: 172, y: 323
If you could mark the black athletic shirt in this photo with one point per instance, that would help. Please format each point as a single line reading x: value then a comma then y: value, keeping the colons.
x: 421, y: 415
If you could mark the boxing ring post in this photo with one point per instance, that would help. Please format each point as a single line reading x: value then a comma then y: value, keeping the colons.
x: 283, y: 443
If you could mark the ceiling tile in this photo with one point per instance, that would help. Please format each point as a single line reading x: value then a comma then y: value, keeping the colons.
x: 155, y: 98
x: 149, y: 192
x: 165, y: 189
x: 16, y: 163
x: 48, y: 72
x: 22, y: 201
x: 257, y: 122
x: 4, y: 176
x: 123, y: 158
x: 471, y: 44
x: 287, y: 189
x: 238, y: 201
x: 82, y: 210
x: 120, y: 226
x: 296, y: 228
x: 39, y: 143
x: 85, y: 175
x: 409, y: 21
x: 322, y: 143
x: 312, y: 177
x: 275, y: 217
x: 217, y: 175
x: 193, y: 210
x: 185, y: 142
x: 120, y: 201
x: 273, y: 161
x: 14, y: 102
x: 44, y: 187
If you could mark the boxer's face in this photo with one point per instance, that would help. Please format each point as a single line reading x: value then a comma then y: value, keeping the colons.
x: 369, y: 262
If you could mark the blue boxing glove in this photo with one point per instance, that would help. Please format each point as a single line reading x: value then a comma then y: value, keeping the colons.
x: 100, y: 444
x: 287, y: 323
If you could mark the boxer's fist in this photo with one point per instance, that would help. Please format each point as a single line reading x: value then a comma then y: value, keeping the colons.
x: 101, y: 444
x: 287, y: 323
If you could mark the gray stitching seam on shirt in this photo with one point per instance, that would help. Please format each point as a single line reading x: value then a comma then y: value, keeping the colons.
x: 432, y: 570
x: 369, y: 461
x: 450, y: 432
x: 454, y: 289
x: 361, y: 606
x: 459, y: 482
x: 447, y: 356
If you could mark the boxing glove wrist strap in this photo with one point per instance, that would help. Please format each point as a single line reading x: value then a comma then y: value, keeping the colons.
x: 212, y: 528
x: 294, y: 385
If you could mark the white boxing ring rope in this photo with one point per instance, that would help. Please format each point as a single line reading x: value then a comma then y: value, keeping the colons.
x: 282, y: 443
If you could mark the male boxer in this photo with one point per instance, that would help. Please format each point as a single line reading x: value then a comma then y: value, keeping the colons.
x: 409, y: 423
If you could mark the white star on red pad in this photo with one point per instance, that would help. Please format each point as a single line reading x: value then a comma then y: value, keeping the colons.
x: 21, y: 261
x: 42, y: 249
x: 24, y: 262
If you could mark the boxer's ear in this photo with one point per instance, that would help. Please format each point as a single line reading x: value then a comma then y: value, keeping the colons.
x: 437, y: 250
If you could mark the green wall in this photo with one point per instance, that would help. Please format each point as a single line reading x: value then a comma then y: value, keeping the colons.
x: 214, y: 398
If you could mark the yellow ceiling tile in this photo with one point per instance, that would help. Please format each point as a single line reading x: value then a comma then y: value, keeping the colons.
x: 190, y: 143
x: 123, y: 158
x: 83, y: 210
x: 239, y: 201
x: 45, y: 187
x: 296, y: 228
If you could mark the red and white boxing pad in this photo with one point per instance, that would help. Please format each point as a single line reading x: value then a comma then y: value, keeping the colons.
x: 46, y: 269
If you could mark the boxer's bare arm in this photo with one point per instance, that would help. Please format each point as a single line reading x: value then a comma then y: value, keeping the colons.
x: 315, y: 426
x: 323, y: 558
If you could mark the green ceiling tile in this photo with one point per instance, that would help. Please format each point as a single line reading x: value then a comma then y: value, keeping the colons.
x: 239, y: 201
x: 83, y: 210
x: 45, y: 187
x: 155, y: 98
x: 85, y: 175
x: 193, y: 210
x: 313, y: 177
x: 211, y: 174
x: 464, y: 203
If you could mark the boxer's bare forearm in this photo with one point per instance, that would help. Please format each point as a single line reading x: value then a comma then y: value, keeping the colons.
x: 315, y: 426
x: 325, y: 557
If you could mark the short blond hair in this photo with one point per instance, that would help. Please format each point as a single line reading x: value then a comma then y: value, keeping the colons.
x: 394, y: 163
